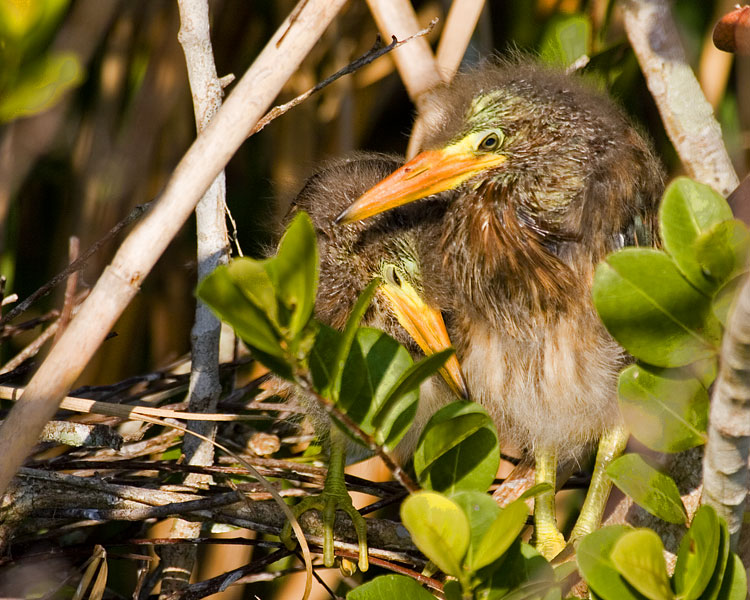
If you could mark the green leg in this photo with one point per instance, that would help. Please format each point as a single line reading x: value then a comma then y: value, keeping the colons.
x: 549, y: 540
x: 333, y: 497
x: 611, y: 445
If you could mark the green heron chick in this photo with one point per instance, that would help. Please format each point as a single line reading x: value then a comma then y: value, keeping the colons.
x: 350, y: 258
x: 543, y: 176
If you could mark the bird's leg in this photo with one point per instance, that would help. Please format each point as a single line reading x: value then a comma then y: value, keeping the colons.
x: 611, y: 445
x: 549, y: 541
x: 333, y: 497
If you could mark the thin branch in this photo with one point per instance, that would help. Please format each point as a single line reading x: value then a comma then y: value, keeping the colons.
x: 76, y: 265
x: 332, y: 410
x: 687, y: 115
x: 377, y: 50
x: 139, y: 252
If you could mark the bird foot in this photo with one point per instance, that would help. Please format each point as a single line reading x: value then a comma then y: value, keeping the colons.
x: 327, y: 503
x: 549, y: 542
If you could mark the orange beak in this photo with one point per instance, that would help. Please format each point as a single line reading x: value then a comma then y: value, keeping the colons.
x: 425, y: 325
x: 427, y: 173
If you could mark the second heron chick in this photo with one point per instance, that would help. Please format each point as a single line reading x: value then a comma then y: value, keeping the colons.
x: 351, y: 257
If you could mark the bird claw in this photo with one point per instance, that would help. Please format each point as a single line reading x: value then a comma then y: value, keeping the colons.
x: 327, y: 503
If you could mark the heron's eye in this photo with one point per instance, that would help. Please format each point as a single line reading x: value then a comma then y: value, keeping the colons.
x: 490, y: 142
x: 391, y: 275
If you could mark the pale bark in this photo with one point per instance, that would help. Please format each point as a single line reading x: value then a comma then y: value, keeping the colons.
x: 687, y: 115
x: 121, y: 280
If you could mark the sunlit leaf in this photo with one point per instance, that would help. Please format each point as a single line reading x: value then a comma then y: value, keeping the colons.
x: 734, y: 585
x: 650, y: 489
x: 525, y: 575
x: 699, y: 555
x: 639, y: 558
x: 458, y: 449
x: 502, y: 532
x: 439, y: 528
x: 597, y: 568
x: 390, y: 586
x: 723, y: 251
x: 294, y: 271
x: 391, y: 406
x: 664, y: 410
x: 687, y: 210
x: 649, y: 307
x: 481, y: 510
x: 222, y: 294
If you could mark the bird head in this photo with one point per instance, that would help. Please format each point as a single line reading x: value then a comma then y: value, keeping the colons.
x: 385, y: 248
x: 543, y: 175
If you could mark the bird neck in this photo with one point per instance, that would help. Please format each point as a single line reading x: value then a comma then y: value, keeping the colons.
x: 502, y: 267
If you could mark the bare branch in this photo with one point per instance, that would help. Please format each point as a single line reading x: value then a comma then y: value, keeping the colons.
x: 687, y: 116
x: 121, y: 280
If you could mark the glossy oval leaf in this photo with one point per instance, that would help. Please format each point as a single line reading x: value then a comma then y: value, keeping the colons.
x: 698, y: 555
x: 734, y: 585
x: 723, y: 251
x: 390, y: 586
x: 687, y: 210
x: 654, y: 491
x: 439, y: 528
x: 481, y: 510
x: 503, y: 531
x: 390, y: 409
x: 525, y: 575
x: 221, y: 293
x: 723, y: 299
x: 652, y: 310
x: 294, y: 271
x: 597, y: 568
x: 663, y: 409
x: 376, y: 363
x: 639, y: 557
x: 458, y: 449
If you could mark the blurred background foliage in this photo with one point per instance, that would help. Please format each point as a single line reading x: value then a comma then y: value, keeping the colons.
x: 95, y: 112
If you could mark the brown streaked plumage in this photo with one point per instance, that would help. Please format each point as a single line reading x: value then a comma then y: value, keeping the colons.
x: 570, y: 179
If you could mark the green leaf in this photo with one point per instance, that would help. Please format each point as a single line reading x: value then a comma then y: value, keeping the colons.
x: 639, y: 557
x: 347, y: 338
x: 252, y: 280
x: 41, y: 85
x: 375, y: 364
x: 390, y: 586
x: 294, y: 272
x: 525, y: 575
x: 506, y: 527
x: 566, y: 39
x: 481, y: 511
x: 390, y: 408
x: 664, y: 410
x: 724, y: 299
x: 734, y: 586
x: 698, y: 555
x: 439, y: 528
x: 597, y: 568
x: 452, y: 590
x: 458, y: 449
x: 687, y: 210
x: 650, y: 489
x: 323, y: 358
x: 723, y: 250
x: 222, y: 294
x: 649, y: 307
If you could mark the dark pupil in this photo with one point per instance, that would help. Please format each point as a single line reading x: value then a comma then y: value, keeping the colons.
x: 490, y: 141
x: 396, y: 278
